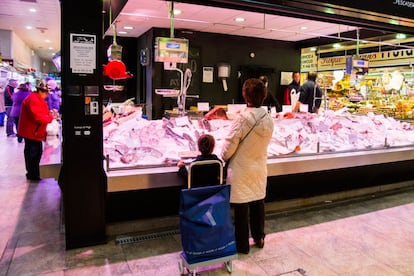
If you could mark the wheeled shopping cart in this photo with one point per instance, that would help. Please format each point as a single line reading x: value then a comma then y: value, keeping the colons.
x: 207, y: 232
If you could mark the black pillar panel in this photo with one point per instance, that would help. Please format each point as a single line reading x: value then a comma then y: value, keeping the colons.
x: 82, y: 177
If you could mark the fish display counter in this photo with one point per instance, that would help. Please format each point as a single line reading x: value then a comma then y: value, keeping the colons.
x: 142, y: 154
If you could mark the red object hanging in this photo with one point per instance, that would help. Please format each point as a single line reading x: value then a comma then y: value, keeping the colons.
x: 116, y: 70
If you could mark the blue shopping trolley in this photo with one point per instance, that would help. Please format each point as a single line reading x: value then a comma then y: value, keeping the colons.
x: 207, y: 232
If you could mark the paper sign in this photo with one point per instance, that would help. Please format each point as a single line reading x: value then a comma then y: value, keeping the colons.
x: 208, y: 73
x: 82, y: 53
x: 286, y: 108
x: 181, y: 121
x: 235, y: 108
x: 203, y: 106
x: 304, y: 108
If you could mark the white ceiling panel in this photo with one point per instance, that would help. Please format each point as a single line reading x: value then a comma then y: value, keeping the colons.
x: 45, y: 24
x: 220, y: 20
x: 145, y: 14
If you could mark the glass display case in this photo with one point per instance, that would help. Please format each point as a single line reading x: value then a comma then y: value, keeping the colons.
x: 143, y: 153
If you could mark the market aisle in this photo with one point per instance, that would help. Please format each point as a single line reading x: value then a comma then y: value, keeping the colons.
x: 370, y: 237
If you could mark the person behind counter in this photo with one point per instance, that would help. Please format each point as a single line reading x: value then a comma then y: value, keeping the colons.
x: 292, y: 90
x: 246, y: 148
x: 310, y: 94
x: 270, y: 100
x: 205, y: 145
x: 34, y: 117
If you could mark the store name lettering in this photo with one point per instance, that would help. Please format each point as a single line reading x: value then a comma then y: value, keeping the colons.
x: 369, y: 56
x: 308, y: 56
x: 332, y: 61
x: 396, y: 54
x: 404, y: 3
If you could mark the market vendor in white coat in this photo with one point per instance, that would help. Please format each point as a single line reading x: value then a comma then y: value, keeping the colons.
x: 246, y: 148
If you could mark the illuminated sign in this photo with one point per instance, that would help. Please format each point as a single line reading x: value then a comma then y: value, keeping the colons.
x: 168, y: 49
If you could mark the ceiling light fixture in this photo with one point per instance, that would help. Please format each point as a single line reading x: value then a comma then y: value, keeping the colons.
x: 50, y: 48
x: 47, y: 41
x: 32, y: 10
x: 148, y: 17
x: 336, y: 45
x: 394, y: 22
x: 122, y: 32
x: 177, y: 12
x: 128, y: 27
x: 400, y: 36
x: 239, y: 19
x: 313, y: 49
x: 303, y: 28
x: 29, y: 27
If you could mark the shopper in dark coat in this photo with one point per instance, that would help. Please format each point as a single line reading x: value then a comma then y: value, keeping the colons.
x: 270, y: 100
x: 8, y: 103
x: 18, y: 97
x: 34, y: 117
x: 310, y: 94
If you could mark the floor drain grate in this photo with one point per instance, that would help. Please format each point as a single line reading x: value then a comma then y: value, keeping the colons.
x: 146, y: 237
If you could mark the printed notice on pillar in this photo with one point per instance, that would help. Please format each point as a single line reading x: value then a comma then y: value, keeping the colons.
x: 82, y: 53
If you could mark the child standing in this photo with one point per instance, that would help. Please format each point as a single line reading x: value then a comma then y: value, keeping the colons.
x: 205, y: 145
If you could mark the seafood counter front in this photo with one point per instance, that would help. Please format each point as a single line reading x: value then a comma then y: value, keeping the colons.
x: 142, y: 154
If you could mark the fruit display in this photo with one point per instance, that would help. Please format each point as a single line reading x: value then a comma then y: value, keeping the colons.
x: 380, y: 92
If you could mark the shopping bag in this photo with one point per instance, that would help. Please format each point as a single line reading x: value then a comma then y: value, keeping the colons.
x: 294, y: 98
x: 206, y: 227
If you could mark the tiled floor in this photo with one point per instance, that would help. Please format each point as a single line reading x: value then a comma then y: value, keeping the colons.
x: 374, y: 236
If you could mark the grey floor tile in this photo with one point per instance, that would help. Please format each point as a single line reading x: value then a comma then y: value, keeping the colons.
x: 94, y: 256
x: 151, y: 248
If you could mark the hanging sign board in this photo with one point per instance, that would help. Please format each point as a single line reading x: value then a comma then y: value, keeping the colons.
x: 308, y: 61
x: 400, y: 8
x: 377, y: 59
x: 82, y: 53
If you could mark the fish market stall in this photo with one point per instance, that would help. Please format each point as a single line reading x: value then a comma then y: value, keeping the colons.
x: 142, y: 154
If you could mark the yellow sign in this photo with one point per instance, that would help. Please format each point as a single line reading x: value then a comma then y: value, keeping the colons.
x: 377, y: 59
x: 308, y: 61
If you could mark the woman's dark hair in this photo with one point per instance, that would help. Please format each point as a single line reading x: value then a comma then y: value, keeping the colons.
x: 254, y: 92
x: 23, y: 87
x: 206, y: 144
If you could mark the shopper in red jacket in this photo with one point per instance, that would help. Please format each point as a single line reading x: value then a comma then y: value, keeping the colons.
x: 34, y: 117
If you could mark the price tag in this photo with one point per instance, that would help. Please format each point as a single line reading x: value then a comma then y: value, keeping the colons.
x: 182, y: 121
x: 286, y: 108
x: 304, y: 108
x: 203, y: 106
x: 235, y: 108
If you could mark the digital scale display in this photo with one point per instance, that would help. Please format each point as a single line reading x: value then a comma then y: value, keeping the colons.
x: 168, y: 49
